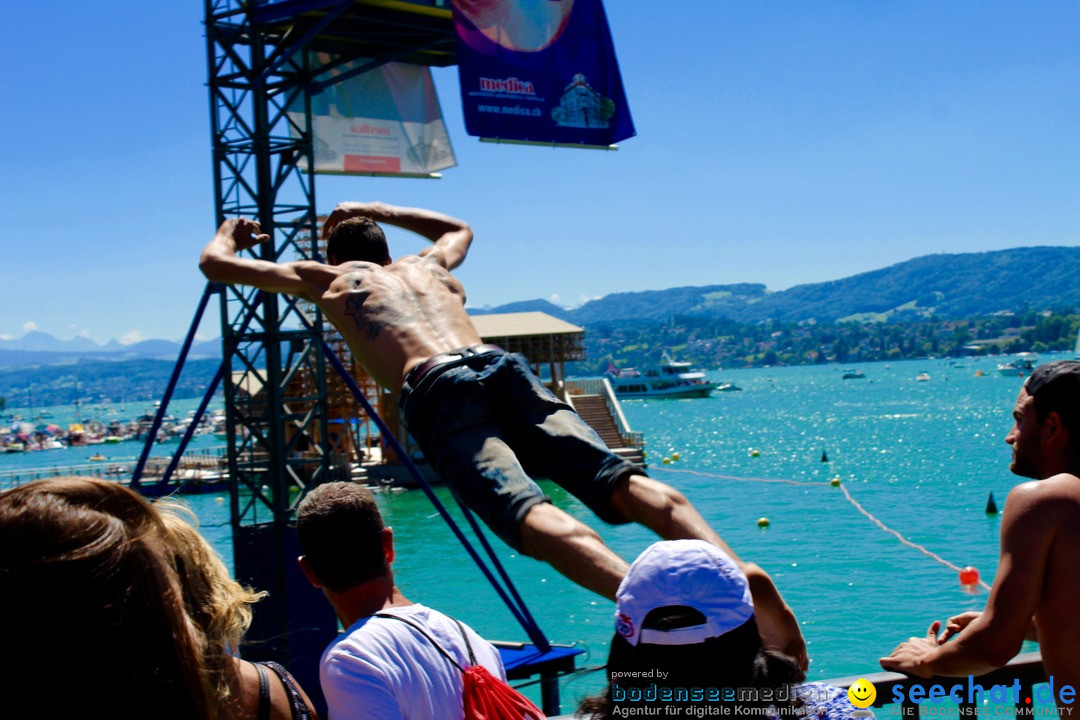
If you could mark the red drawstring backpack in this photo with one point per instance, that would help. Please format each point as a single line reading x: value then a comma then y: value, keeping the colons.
x: 485, y: 696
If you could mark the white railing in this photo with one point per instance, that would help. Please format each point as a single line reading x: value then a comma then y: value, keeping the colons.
x: 194, y: 463
x: 601, y: 387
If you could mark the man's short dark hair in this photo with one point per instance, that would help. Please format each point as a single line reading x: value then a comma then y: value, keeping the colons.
x: 358, y: 238
x: 340, y: 532
x: 1056, y: 388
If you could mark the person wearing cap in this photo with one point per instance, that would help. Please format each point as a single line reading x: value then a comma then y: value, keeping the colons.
x: 1037, y: 584
x: 686, y: 636
x: 485, y: 422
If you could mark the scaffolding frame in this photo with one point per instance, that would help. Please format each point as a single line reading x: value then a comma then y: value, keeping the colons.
x: 264, y: 58
x: 258, y: 149
x: 261, y: 79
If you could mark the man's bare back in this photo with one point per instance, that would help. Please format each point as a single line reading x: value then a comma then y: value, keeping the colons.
x: 397, y: 316
x: 393, y: 315
x: 1057, y: 617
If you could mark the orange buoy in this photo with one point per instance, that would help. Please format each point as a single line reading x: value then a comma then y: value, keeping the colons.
x: 969, y: 576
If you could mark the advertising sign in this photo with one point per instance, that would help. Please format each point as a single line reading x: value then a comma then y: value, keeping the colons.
x: 385, y: 121
x: 540, y: 71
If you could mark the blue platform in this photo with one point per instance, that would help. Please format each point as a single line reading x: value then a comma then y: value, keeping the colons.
x: 523, y: 660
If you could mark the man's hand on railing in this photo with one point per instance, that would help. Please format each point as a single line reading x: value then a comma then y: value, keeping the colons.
x: 955, y: 624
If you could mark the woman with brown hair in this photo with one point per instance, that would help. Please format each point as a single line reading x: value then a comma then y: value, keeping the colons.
x: 92, y: 607
x: 221, y: 608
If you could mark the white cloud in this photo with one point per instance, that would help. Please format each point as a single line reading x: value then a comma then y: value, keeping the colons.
x: 29, y: 326
x: 84, y: 333
x: 583, y: 298
x: 5, y: 336
x: 554, y: 299
x: 129, y: 338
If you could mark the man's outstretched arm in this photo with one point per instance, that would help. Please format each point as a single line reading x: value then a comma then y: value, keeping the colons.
x: 451, y: 236
x: 220, y: 262
x: 777, y: 625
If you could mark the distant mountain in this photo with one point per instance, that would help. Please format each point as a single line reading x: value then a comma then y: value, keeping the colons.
x: 39, y: 348
x: 206, y: 348
x: 528, y: 306
x: 949, y: 286
x: 946, y: 286
x: 41, y: 341
x: 706, y: 301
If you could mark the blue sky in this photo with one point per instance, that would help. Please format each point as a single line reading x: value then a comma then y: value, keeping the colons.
x: 778, y: 142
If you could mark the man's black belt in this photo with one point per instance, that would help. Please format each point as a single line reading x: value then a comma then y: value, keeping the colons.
x: 444, y: 361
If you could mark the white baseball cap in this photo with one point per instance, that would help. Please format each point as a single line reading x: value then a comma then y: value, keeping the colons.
x: 691, y: 573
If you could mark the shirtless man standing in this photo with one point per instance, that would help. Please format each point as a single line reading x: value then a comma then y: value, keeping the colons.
x: 1038, y: 579
x: 484, y: 421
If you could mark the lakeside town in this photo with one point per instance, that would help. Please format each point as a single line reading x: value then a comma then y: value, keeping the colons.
x: 721, y: 343
x: 36, y: 431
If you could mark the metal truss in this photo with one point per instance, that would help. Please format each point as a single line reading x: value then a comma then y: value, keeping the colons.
x: 275, y: 384
x: 259, y: 55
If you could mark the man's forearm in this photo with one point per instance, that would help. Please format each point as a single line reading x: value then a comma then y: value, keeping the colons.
x: 976, y: 650
x: 777, y: 624
x: 954, y: 659
x: 217, y: 254
x: 219, y: 261
x: 428, y: 223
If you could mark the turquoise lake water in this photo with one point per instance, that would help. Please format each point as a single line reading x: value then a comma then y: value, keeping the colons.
x: 920, y: 456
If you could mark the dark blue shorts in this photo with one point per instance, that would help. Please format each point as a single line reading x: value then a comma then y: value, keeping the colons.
x: 488, y: 426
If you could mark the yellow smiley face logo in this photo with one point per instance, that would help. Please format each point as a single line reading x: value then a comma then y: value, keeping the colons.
x: 862, y: 694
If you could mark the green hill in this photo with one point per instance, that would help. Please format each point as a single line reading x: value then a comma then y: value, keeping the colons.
x: 946, y: 286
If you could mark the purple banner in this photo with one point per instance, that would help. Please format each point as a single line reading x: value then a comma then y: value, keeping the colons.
x: 540, y: 71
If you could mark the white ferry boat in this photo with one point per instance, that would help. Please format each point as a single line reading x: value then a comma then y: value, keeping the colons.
x: 669, y: 379
x: 1021, y: 365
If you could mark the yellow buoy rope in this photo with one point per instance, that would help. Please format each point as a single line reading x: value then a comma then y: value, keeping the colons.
x: 855, y: 503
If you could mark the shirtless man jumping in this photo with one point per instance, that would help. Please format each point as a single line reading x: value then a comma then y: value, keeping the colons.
x: 484, y: 421
x: 1038, y: 579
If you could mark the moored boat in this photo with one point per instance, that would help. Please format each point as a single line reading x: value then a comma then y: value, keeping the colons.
x: 1020, y: 365
x: 670, y: 379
